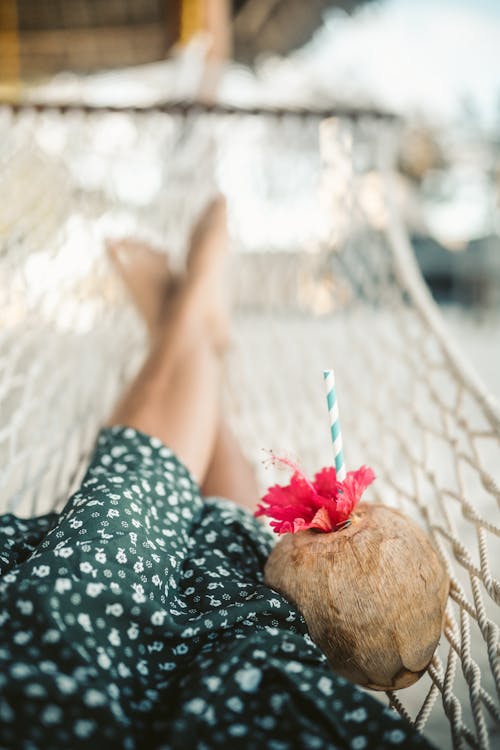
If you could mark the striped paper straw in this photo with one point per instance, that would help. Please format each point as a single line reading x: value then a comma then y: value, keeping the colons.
x: 333, y: 412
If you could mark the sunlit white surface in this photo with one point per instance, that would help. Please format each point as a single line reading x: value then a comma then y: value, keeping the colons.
x: 415, y: 57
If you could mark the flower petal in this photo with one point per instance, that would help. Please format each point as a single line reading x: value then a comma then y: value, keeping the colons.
x: 325, y: 482
x: 356, y: 483
x: 324, y: 504
x: 321, y: 521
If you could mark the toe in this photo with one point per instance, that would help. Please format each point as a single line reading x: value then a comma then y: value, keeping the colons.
x: 131, y: 252
x: 118, y: 252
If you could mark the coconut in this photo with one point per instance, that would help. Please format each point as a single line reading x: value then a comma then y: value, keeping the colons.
x: 373, y: 594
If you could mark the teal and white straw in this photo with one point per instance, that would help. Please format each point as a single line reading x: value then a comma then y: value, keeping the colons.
x: 333, y: 412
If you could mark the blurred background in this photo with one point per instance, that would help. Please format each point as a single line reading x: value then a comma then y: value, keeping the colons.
x: 435, y: 64
x: 68, y: 179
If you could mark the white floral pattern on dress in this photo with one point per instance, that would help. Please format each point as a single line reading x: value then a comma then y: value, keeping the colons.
x: 138, y: 618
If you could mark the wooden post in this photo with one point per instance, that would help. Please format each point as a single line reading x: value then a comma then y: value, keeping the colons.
x: 10, y: 70
x: 192, y: 17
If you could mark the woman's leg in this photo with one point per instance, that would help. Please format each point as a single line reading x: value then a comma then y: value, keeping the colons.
x: 176, y: 394
x: 229, y: 473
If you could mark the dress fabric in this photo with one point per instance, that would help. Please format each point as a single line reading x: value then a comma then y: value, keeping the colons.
x: 138, y: 618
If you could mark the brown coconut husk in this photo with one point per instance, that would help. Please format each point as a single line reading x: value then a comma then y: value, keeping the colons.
x: 373, y: 594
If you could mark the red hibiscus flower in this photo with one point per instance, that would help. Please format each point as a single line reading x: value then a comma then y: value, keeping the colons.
x: 324, y: 504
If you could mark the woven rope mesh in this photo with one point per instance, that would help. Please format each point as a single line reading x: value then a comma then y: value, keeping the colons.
x: 321, y: 275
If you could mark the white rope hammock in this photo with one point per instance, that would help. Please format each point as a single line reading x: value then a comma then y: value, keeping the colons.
x: 323, y: 275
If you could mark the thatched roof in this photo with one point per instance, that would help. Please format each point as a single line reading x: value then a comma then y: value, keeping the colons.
x: 278, y: 26
x: 87, y: 35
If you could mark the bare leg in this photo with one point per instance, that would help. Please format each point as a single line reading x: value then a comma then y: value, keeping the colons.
x: 229, y: 473
x: 175, y: 396
x: 167, y: 308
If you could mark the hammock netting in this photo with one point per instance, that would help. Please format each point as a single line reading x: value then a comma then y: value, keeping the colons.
x: 322, y: 275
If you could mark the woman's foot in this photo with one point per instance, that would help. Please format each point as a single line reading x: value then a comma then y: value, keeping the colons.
x: 146, y: 275
x: 156, y: 292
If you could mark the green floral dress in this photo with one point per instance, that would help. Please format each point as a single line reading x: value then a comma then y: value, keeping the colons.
x: 138, y: 618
